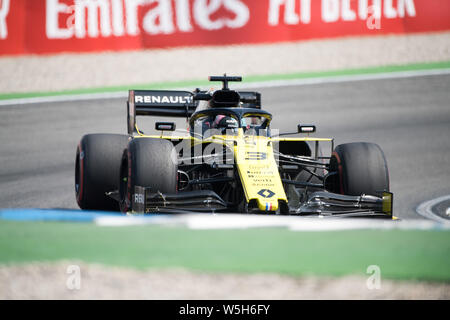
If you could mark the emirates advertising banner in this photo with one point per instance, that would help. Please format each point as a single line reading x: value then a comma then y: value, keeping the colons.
x: 54, y: 26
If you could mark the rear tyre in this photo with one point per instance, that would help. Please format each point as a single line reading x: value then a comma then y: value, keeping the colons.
x: 97, y: 166
x: 361, y: 169
x: 150, y: 163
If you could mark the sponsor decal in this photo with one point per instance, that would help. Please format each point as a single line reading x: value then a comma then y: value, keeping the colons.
x: 254, y: 155
x: 4, y: 10
x: 139, y: 198
x: 261, y: 177
x: 50, y: 26
x: 232, y: 123
x: 266, y: 193
x: 108, y: 18
x: 154, y: 99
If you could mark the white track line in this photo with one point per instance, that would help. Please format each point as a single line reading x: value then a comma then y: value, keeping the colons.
x: 261, y: 84
x: 425, y: 209
x: 238, y: 221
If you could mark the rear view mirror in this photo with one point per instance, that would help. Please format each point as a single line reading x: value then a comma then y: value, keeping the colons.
x: 165, y: 126
x: 309, y: 128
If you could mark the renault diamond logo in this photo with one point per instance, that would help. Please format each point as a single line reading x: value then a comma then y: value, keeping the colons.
x: 266, y: 193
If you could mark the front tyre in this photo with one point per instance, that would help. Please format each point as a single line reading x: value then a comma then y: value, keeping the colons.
x: 150, y: 163
x: 360, y: 168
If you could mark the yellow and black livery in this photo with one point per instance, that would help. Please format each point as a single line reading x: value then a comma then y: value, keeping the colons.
x: 230, y: 160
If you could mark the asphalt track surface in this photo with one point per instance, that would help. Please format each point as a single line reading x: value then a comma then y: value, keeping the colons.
x: 409, y: 118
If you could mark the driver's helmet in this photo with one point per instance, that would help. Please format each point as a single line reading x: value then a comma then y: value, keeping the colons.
x: 225, y: 122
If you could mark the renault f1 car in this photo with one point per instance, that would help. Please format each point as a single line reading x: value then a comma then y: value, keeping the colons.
x: 228, y: 160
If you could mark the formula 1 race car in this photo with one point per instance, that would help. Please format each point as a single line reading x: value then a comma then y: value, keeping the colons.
x: 228, y: 160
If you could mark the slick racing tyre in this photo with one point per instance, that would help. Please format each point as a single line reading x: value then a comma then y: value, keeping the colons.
x: 150, y: 163
x: 361, y: 169
x: 97, y: 167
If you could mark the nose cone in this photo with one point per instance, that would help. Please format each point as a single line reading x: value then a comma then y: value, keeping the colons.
x: 259, y: 173
x: 265, y: 205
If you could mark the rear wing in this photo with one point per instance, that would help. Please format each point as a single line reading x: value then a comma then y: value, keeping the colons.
x: 169, y: 103
x: 162, y: 103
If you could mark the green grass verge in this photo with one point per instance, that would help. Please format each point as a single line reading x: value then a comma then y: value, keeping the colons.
x: 420, y: 255
x: 247, y: 79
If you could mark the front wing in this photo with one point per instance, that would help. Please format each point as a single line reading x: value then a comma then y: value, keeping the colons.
x: 320, y: 203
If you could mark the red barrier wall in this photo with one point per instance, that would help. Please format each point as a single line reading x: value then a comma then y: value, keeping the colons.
x: 53, y: 26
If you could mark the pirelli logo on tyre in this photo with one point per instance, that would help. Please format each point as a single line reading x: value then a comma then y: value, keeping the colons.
x: 253, y: 155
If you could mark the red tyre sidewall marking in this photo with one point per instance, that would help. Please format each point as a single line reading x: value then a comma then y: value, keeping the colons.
x: 341, y: 185
x: 80, y: 187
x: 127, y: 204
